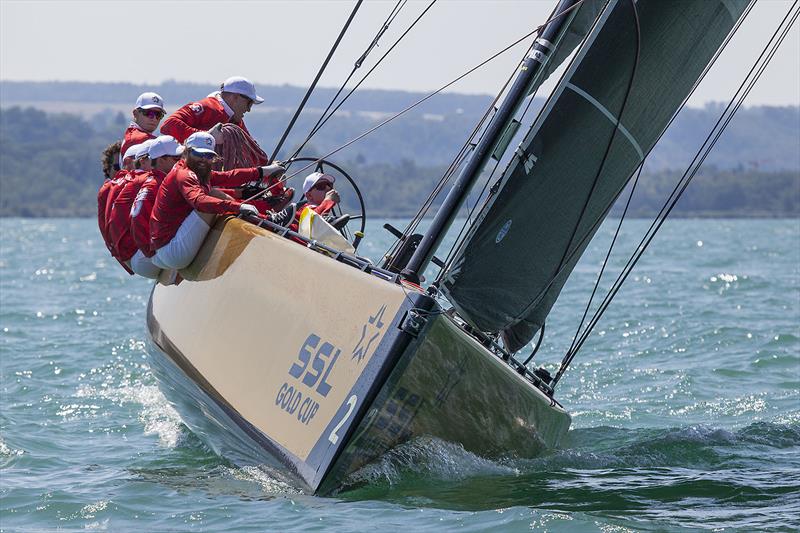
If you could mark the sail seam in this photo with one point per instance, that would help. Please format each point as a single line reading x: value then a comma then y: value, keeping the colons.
x: 589, y: 98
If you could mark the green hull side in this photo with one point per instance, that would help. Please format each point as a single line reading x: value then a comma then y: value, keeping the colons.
x: 450, y: 387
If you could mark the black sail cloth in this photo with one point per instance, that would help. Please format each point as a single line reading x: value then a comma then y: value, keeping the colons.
x: 575, y: 160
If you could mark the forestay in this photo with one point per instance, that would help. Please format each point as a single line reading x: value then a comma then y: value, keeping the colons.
x: 578, y: 157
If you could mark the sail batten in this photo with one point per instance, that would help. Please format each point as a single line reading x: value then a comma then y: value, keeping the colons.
x: 608, y: 114
x: 613, y: 103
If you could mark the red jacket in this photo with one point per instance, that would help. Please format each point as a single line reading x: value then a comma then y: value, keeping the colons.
x: 181, y: 192
x: 197, y: 116
x: 102, y: 196
x: 133, y: 135
x: 119, y: 223
x: 141, y: 209
x: 105, y: 200
x: 109, y: 188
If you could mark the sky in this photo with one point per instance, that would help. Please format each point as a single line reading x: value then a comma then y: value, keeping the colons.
x: 284, y: 42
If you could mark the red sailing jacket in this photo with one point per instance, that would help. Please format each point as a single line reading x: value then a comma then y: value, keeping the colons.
x: 119, y: 223
x: 197, y: 116
x: 133, y: 135
x: 141, y: 209
x: 109, y: 188
x: 181, y: 192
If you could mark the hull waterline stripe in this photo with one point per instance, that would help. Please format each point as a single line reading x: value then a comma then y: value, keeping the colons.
x: 589, y: 98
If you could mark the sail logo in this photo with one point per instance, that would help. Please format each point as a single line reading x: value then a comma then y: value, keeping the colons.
x: 529, y: 162
x: 370, y: 331
x: 503, y: 232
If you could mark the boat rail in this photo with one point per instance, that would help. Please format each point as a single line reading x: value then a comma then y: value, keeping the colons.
x: 361, y: 263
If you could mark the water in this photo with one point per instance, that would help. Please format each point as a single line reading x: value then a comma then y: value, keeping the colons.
x: 686, y: 404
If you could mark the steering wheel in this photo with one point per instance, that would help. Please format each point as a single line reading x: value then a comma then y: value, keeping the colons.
x: 341, y: 220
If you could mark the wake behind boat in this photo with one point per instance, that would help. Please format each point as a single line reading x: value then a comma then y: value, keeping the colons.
x: 283, y: 351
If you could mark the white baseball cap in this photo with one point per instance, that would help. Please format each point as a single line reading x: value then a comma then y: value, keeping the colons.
x: 241, y: 85
x: 143, y: 149
x: 201, y: 141
x: 313, y: 178
x: 150, y: 101
x: 131, y: 152
x: 165, y: 145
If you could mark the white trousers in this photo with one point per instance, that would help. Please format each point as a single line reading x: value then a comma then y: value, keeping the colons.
x: 180, y: 251
x: 143, y: 265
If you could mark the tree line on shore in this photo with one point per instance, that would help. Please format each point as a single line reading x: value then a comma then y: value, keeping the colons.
x: 50, y: 166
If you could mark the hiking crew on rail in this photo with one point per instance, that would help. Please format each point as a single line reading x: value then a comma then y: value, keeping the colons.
x: 161, y: 193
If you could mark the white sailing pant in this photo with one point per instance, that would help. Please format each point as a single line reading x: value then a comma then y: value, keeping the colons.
x: 143, y: 265
x: 180, y: 251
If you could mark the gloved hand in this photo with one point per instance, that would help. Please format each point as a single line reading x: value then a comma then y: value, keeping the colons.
x: 333, y: 195
x: 247, y: 209
x: 216, y: 132
x: 275, y: 170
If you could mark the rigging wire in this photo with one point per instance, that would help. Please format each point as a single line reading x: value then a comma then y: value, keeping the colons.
x: 600, y: 171
x: 742, y: 92
x: 316, y: 79
x: 641, y: 166
x: 458, y: 160
x: 461, y: 156
x: 395, y: 116
x: 608, y: 147
x: 323, y: 119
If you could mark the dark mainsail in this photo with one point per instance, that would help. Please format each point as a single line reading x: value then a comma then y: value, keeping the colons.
x: 577, y: 158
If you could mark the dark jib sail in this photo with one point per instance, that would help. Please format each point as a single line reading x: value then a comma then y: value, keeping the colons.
x: 577, y: 158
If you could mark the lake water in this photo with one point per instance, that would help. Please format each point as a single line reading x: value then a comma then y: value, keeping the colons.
x: 685, y: 404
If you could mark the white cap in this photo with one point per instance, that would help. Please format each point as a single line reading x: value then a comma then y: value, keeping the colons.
x: 241, y: 85
x: 313, y: 178
x: 165, y: 145
x: 142, y: 150
x: 202, y: 142
x: 131, y: 152
x: 150, y: 101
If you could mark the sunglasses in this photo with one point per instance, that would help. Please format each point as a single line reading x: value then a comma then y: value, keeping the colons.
x: 153, y: 113
x: 203, y: 155
x: 323, y: 186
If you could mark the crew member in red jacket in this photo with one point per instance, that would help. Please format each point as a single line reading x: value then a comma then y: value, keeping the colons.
x: 147, y: 114
x: 110, y: 169
x: 164, y: 153
x: 134, y: 158
x: 187, y: 202
x: 235, y: 97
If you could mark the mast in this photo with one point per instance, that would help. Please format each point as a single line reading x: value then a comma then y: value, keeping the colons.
x: 529, y: 70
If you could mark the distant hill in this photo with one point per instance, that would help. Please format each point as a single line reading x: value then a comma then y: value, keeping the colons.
x: 50, y: 166
x: 762, y: 139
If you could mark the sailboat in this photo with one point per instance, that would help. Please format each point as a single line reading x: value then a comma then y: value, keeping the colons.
x: 311, y: 361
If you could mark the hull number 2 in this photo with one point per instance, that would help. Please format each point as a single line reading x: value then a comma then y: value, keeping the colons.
x: 351, y: 405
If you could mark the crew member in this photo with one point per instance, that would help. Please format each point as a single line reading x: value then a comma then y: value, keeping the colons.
x: 188, y: 202
x: 147, y: 114
x: 235, y: 97
x: 108, y: 193
x: 119, y: 222
x: 163, y: 154
x: 319, y: 193
x: 111, y: 169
